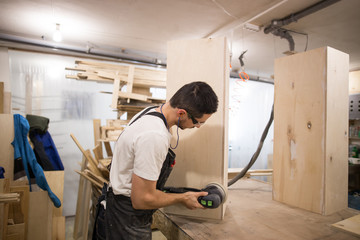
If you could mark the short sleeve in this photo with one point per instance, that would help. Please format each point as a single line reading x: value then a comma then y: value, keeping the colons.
x: 150, y: 152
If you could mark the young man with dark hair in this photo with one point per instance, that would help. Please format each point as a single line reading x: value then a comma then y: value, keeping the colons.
x: 143, y: 160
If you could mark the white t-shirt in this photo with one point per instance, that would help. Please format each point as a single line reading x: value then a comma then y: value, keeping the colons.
x: 141, y: 149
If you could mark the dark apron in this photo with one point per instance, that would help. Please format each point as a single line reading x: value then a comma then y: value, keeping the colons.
x: 121, y: 220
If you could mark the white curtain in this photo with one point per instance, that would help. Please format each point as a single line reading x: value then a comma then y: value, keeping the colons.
x: 39, y: 87
x: 250, y: 106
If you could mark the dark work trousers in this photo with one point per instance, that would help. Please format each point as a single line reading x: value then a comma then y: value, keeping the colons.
x: 123, y: 222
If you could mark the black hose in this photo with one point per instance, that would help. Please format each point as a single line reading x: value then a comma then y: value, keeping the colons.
x: 256, y: 154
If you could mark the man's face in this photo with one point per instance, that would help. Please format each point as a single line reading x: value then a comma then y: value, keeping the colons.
x: 190, y: 122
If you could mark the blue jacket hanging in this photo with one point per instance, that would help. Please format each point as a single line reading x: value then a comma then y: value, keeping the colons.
x: 23, y: 150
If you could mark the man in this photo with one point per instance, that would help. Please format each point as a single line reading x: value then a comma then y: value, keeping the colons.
x: 142, y: 159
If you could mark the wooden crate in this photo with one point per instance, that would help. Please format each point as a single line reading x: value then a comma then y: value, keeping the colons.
x: 202, y: 152
x: 311, y: 130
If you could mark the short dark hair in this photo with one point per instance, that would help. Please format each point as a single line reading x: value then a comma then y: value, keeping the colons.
x: 197, y: 98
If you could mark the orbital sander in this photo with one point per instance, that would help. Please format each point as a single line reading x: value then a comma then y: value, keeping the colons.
x: 216, y: 194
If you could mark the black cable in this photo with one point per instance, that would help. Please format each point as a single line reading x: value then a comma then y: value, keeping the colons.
x: 256, y: 154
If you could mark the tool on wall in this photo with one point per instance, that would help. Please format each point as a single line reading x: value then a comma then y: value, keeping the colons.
x: 243, y: 75
x: 216, y: 194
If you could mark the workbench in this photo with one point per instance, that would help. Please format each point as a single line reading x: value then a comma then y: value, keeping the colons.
x: 252, y: 214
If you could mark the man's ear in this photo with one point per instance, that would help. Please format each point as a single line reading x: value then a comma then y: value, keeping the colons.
x: 181, y: 112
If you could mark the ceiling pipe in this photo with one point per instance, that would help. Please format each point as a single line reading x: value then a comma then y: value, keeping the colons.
x: 276, y: 25
x: 79, y: 50
x: 256, y: 78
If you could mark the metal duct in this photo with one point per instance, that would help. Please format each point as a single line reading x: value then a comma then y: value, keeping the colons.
x: 276, y: 24
x: 81, y: 50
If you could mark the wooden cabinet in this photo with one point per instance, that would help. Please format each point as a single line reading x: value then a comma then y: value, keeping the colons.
x: 311, y: 130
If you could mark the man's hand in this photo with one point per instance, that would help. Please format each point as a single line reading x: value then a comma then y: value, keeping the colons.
x: 191, y: 200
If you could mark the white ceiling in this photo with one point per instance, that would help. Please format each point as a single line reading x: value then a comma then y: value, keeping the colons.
x: 141, y: 29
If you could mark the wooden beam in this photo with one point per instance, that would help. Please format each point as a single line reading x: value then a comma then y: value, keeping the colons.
x: 88, y: 156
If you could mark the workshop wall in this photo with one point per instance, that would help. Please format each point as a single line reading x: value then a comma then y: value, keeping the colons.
x: 250, y: 106
x: 39, y: 87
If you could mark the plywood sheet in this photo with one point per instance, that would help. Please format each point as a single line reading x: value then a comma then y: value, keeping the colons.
x: 55, y: 179
x: 310, y: 130
x: 40, y: 216
x: 1, y: 97
x: 351, y: 225
x: 337, y: 125
x: 6, y: 149
x: 202, y: 152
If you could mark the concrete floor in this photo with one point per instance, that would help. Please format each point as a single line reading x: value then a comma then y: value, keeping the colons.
x: 69, y: 229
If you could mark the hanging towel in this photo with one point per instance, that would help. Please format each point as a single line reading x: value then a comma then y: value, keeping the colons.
x: 23, y: 151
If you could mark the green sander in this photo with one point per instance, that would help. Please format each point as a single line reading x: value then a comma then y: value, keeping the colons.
x: 216, y: 194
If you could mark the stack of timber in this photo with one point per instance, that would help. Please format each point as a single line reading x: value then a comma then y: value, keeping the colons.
x: 93, y: 174
x: 137, y: 79
x: 131, y: 89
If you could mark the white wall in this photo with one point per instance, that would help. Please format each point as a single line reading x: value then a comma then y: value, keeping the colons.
x: 39, y: 87
x: 250, y: 105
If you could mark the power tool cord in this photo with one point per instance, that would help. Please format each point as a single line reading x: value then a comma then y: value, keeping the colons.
x: 256, y: 154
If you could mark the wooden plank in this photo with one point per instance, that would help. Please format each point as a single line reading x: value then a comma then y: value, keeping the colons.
x: 354, y: 82
x: 7, y: 103
x: 336, y: 135
x: 40, y: 216
x: 16, y: 232
x: 87, y: 177
x: 310, y: 130
x: 108, y: 149
x: 1, y: 97
x: 20, y: 210
x: 97, y: 152
x: 200, y: 162
x: 115, y: 94
x: 6, y: 149
x: 9, y: 197
x: 88, y: 156
x: 232, y: 172
x: 97, y: 134
x: 80, y: 198
x: 55, y: 179
x: 58, y: 231
x: 130, y: 81
x: 135, y: 96
x: 98, y: 178
x: 351, y: 225
x: 4, y: 208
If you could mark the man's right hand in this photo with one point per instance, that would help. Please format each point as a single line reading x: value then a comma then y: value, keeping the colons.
x: 191, y: 200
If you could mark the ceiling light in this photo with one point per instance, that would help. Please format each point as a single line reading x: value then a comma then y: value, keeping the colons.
x: 252, y: 27
x: 57, y: 34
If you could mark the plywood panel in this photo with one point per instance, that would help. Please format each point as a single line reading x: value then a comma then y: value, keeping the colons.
x: 6, y: 149
x: 354, y: 82
x: 310, y: 125
x: 337, y: 125
x: 351, y: 225
x: 202, y: 153
x: 55, y: 179
x: 40, y: 216
x: 1, y: 97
